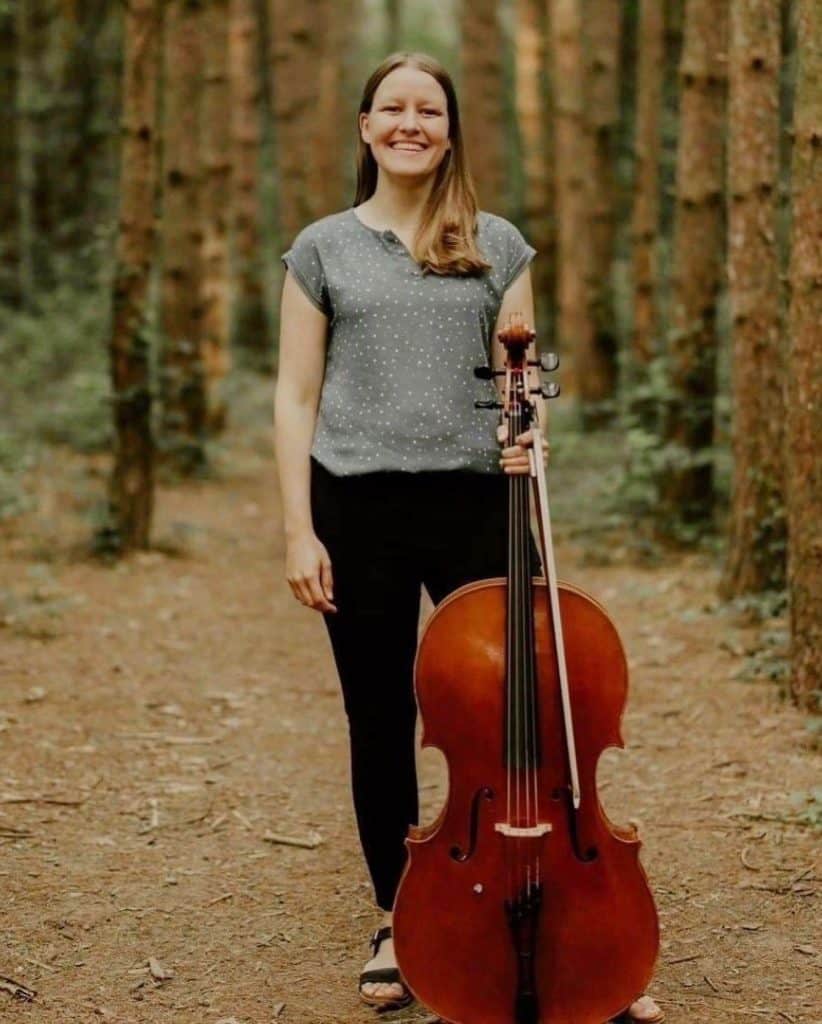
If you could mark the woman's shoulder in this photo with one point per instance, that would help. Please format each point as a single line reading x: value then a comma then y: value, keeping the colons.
x: 492, y: 226
x: 326, y: 229
x: 504, y: 246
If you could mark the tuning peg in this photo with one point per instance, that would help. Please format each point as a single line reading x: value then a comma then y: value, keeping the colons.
x: 550, y: 390
x: 549, y: 361
x: 486, y: 373
x: 488, y: 405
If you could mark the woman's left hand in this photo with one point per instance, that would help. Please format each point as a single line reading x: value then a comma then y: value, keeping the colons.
x: 515, y: 459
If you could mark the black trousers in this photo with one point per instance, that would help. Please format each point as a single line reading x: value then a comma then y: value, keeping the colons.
x: 388, y: 534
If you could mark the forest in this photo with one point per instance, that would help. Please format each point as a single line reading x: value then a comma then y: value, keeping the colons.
x: 171, y: 739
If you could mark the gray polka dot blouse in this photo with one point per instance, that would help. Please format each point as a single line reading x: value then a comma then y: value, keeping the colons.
x: 399, y: 388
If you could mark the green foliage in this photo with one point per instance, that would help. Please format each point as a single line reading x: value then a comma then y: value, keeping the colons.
x: 55, y: 383
x: 54, y: 386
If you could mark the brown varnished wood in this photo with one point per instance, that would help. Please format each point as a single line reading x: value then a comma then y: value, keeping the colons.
x: 598, y: 934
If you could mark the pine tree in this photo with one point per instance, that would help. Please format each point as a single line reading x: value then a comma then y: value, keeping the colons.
x: 756, y: 548
x: 216, y: 156
x: 804, y: 374
x: 698, y: 259
x: 481, y: 108
x: 602, y: 30
x: 535, y: 119
x: 131, y: 489
x: 645, y: 221
x: 296, y: 45
x: 575, y: 328
x: 182, y: 378
x: 250, y: 322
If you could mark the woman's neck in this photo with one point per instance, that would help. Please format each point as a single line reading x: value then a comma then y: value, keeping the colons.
x: 396, y: 206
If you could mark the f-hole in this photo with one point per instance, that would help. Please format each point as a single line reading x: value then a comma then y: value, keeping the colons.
x: 456, y: 852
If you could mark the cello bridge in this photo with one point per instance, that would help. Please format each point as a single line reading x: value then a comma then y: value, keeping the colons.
x: 515, y: 832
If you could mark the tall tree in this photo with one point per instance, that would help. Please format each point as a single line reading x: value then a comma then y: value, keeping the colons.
x: 250, y: 322
x: 645, y: 221
x: 326, y: 170
x: 535, y: 118
x: 296, y: 34
x: 756, y: 548
x: 481, y: 72
x: 9, y: 212
x: 131, y: 488
x: 804, y: 376
x: 699, y: 249
x: 182, y: 377
x: 603, y: 22
x: 36, y: 166
x: 575, y: 327
x: 216, y: 195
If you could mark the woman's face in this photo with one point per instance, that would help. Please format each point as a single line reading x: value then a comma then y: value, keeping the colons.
x: 407, y: 126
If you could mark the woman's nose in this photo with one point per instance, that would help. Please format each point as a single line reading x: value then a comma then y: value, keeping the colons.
x: 409, y: 121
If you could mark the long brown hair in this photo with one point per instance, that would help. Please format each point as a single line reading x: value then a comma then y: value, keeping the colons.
x: 445, y: 242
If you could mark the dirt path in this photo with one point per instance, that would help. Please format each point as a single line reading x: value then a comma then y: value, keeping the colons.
x: 157, y: 720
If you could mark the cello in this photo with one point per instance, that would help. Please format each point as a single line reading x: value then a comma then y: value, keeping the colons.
x: 522, y: 903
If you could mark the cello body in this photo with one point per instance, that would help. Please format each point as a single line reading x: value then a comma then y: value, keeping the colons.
x: 595, y: 936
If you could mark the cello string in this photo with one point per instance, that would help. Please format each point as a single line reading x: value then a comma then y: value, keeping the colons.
x: 517, y: 667
x: 510, y: 655
x: 535, y: 686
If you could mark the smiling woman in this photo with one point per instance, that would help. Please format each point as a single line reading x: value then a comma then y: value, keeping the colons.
x: 391, y: 479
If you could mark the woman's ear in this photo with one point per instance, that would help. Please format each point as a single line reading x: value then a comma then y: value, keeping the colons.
x: 364, y: 128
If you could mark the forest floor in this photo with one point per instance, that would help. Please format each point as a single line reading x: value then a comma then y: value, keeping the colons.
x: 162, y: 721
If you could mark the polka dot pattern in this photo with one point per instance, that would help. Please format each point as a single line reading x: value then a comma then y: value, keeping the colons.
x: 399, y: 388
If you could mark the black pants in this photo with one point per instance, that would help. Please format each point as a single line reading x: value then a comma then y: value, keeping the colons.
x: 388, y: 534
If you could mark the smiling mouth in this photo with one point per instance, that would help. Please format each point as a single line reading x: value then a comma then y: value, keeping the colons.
x: 406, y: 148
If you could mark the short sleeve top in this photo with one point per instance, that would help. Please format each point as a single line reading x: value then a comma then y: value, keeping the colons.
x: 399, y: 388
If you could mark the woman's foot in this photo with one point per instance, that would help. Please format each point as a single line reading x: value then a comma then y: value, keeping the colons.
x: 385, y: 987
x: 643, y: 1009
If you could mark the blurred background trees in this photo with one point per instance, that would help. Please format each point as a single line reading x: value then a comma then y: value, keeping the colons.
x: 663, y: 157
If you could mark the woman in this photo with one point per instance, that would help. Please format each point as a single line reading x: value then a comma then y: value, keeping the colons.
x: 383, y: 460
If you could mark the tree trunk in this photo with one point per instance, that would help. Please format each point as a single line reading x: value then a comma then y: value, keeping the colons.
x: 699, y: 248
x: 329, y: 154
x: 804, y: 376
x: 181, y: 374
x: 35, y: 98
x: 250, y: 323
x: 756, y: 546
x: 645, y: 220
x: 216, y: 203
x: 296, y: 49
x: 533, y: 115
x: 131, y: 488
x: 575, y: 328
x: 10, y: 293
x: 604, y: 26
x: 483, y: 123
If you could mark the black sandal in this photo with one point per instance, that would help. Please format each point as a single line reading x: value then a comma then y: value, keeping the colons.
x: 384, y: 975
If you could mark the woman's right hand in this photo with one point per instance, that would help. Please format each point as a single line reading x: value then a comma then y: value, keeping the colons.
x: 308, y: 571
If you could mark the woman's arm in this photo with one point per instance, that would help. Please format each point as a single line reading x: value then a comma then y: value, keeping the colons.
x: 519, y: 298
x: 303, y: 330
